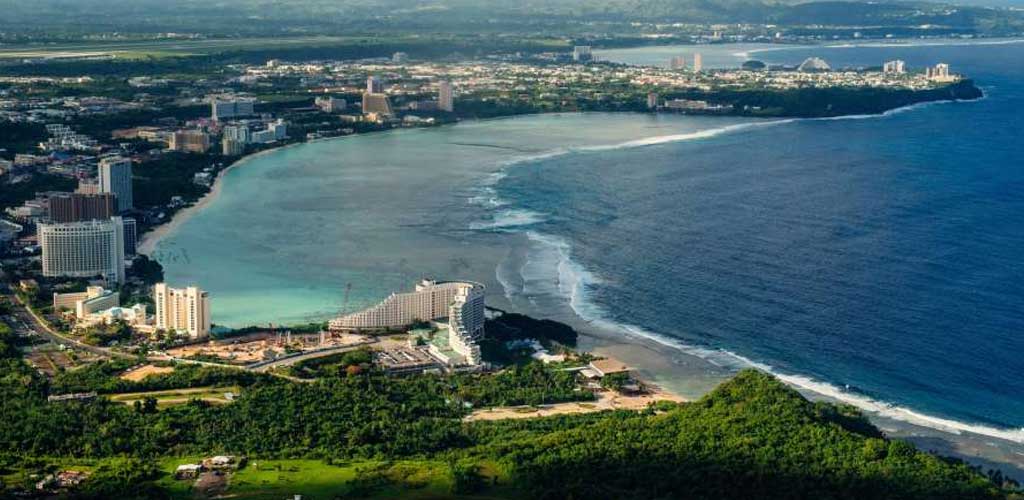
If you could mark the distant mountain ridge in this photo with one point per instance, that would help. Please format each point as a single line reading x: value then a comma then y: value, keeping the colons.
x: 228, y: 16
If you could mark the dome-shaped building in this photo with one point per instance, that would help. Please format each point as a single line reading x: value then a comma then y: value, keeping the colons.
x: 814, y: 64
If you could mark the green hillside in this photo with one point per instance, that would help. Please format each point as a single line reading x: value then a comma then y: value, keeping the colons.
x: 373, y: 435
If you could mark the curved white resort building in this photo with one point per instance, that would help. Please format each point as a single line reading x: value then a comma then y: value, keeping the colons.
x: 460, y: 302
x: 84, y: 249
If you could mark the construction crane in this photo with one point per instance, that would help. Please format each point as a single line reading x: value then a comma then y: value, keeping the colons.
x: 344, y: 304
x: 276, y: 335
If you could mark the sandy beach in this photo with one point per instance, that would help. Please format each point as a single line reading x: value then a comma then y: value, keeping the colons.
x: 690, y: 377
x: 331, y: 225
x: 151, y: 238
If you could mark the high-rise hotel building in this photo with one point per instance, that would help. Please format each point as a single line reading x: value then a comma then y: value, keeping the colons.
x: 430, y: 300
x: 445, y: 97
x: 183, y: 310
x: 894, y: 67
x: 84, y: 249
x: 374, y: 85
x: 231, y: 108
x: 377, y: 103
x: 461, y: 302
x: 77, y: 207
x: 115, y: 176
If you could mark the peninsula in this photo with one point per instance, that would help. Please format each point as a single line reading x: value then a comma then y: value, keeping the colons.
x: 428, y: 393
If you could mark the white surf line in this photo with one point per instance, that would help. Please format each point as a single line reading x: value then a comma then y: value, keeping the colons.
x: 889, y: 44
x: 573, y: 280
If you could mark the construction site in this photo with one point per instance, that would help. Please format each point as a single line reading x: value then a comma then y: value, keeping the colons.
x: 267, y: 345
x: 264, y: 346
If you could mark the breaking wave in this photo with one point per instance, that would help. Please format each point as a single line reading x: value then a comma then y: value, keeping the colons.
x: 574, y: 282
x: 549, y: 269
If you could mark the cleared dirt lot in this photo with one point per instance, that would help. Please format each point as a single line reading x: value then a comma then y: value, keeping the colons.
x: 605, y: 401
x: 137, y: 374
x: 258, y: 346
x: 50, y: 359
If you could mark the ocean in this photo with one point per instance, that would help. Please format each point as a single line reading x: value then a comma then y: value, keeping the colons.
x: 879, y: 254
x: 873, y: 260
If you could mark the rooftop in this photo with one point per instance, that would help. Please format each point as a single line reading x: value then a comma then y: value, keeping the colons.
x: 608, y: 366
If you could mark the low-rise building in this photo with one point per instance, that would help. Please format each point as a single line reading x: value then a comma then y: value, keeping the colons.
x: 190, y: 141
x: 220, y: 462
x: 93, y: 299
x: 9, y: 232
x: 188, y: 471
x: 607, y: 366
x: 134, y: 316
x: 407, y: 360
x: 329, y: 104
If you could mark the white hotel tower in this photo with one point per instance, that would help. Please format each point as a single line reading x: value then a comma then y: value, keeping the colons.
x: 462, y: 302
x: 445, y: 98
x: 183, y: 310
x: 84, y: 249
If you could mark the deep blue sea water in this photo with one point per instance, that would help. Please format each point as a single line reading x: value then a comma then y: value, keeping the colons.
x: 877, y: 260
x: 882, y: 256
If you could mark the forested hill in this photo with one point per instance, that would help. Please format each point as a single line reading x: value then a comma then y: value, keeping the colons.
x: 752, y: 437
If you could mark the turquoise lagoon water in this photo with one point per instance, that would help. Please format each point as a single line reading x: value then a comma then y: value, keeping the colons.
x: 292, y: 228
x: 875, y: 260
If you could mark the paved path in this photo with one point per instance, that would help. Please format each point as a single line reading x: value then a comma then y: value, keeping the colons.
x: 30, y: 320
x: 300, y: 356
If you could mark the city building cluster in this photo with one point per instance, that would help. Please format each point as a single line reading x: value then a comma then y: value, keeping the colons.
x: 581, y: 77
x: 181, y: 312
x: 79, y: 231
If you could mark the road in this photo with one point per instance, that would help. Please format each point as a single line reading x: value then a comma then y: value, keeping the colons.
x: 25, y: 320
x: 295, y: 358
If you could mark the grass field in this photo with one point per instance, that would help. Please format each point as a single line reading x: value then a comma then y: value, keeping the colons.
x: 131, y: 50
x: 167, y: 48
x: 315, y: 480
x: 263, y: 479
x: 178, y: 396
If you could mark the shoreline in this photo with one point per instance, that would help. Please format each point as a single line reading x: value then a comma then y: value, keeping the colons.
x: 689, y: 376
x: 151, y: 238
x: 692, y: 374
x: 674, y: 371
x: 671, y: 372
x: 881, y: 42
